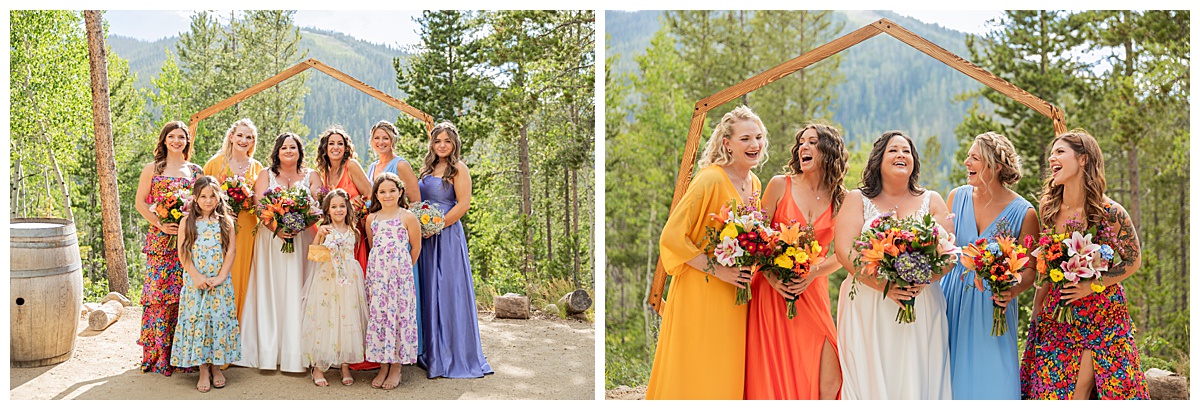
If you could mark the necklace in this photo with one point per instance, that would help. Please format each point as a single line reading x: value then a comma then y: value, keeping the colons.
x: 241, y: 170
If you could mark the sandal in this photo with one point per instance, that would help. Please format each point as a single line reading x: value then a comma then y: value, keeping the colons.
x: 321, y: 382
x: 204, y: 384
x: 377, y: 382
x: 347, y: 378
x: 387, y: 382
x: 218, y: 378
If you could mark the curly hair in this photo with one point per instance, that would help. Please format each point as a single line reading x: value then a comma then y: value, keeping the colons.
x: 324, y: 164
x: 431, y: 158
x: 714, y: 152
x: 834, y: 157
x: 1087, y: 150
x: 872, y: 176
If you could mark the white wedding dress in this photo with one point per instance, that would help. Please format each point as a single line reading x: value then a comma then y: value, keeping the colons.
x: 271, y: 318
x: 883, y: 359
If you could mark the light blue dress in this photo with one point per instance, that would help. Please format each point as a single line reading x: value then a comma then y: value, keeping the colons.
x: 982, y: 366
x: 391, y: 167
x: 208, y: 328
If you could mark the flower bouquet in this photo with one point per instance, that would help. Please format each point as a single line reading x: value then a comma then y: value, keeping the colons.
x: 796, y: 252
x: 431, y: 218
x: 904, y: 252
x: 1068, y: 258
x: 170, y: 207
x: 292, y: 211
x: 238, y: 193
x: 997, y: 262
x: 741, y: 240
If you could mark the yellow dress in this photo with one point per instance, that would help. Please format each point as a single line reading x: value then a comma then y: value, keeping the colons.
x: 701, y: 350
x: 246, y: 220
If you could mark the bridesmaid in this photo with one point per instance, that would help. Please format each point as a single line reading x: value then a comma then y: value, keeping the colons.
x: 236, y: 157
x: 880, y: 358
x: 169, y: 172
x: 447, y: 289
x: 796, y: 359
x: 271, y: 328
x: 983, y: 366
x: 339, y: 169
x: 1096, y: 356
x: 383, y: 142
x: 701, y: 351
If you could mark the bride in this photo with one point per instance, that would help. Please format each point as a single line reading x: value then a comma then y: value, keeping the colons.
x: 880, y: 358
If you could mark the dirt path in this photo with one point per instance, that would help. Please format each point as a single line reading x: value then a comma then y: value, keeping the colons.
x: 536, y: 359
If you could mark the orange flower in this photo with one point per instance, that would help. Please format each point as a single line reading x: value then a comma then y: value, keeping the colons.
x: 789, y: 234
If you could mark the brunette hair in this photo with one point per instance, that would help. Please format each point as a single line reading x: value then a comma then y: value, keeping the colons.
x: 872, y: 176
x: 351, y: 212
x: 221, y: 213
x: 376, y: 205
x: 714, y: 152
x: 431, y: 158
x: 324, y: 164
x: 834, y: 155
x: 1092, y: 166
x: 160, y: 150
x: 279, y: 145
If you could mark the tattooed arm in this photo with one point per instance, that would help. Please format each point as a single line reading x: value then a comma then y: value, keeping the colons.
x: 1120, y: 234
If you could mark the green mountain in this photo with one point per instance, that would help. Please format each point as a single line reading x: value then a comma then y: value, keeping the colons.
x: 330, y: 101
x: 887, y: 85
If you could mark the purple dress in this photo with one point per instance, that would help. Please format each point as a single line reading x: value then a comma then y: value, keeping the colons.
x: 448, y: 318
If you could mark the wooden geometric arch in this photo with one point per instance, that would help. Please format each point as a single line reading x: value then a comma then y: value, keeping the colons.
x: 322, y: 67
x: 820, y: 53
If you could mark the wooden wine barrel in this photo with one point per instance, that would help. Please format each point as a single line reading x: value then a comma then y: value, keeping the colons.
x: 45, y: 291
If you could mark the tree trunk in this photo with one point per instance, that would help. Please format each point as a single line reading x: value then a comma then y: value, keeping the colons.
x: 106, y: 166
x: 549, y: 234
x: 1183, y: 248
x: 526, y: 202
x: 566, y: 200
x: 575, y: 250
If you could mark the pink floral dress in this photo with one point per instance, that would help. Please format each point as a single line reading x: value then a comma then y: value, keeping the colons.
x: 391, y: 296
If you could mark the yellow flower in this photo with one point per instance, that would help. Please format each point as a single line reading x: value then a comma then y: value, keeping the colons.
x: 1096, y: 287
x: 1056, y: 275
x: 993, y: 277
x: 730, y: 231
x: 816, y: 248
x: 783, y: 261
x: 425, y: 218
x: 176, y: 213
x: 802, y: 257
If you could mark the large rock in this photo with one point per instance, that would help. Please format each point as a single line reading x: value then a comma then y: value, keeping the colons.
x: 511, y: 306
x: 576, y: 301
x: 1164, y: 385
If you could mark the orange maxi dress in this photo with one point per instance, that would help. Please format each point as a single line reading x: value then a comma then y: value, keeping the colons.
x: 701, y: 351
x: 244, y: 237
x: 783, y: 356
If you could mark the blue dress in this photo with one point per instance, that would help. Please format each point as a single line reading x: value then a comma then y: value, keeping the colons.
x: 982, y: 366
x: 391, y: 167
x: 208, y: 328
x: 447, y: 293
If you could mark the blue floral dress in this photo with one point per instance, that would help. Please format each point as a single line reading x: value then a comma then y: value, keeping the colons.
x: 208, y: 328
x: 391, y: 296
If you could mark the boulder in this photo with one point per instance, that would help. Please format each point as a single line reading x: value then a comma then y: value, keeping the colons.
x: 511, y: 306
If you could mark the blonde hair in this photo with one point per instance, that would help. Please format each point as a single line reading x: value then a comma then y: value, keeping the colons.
x: 227, y: 146
x: 714, y: 151
x: 998, y: 153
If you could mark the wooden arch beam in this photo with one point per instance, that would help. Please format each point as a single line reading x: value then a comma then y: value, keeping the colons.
x: 817, y: 54
x: 299, y: 68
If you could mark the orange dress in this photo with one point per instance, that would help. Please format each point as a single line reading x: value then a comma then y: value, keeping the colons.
x: 360, y: 249
x: 244, y: 232
x: 783, y: 356
x: 701, y: 352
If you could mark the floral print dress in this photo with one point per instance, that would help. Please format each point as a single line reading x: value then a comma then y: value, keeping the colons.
x: 164, y: 279
x: 208, y: 327
x: 391, y: 296
x: 1054, y: 350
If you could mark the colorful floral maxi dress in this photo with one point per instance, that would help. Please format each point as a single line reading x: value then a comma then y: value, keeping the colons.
x: 208, y: 327
x: 335, y: 308
x: 391, y: 296
x: 160, y: 290
x: 1103, y: 325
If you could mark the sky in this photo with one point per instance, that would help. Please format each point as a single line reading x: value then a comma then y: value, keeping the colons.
x: 387, y: 27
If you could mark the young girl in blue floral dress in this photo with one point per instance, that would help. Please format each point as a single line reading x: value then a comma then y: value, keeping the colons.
x: 395, y: 238
x: 207, y: 334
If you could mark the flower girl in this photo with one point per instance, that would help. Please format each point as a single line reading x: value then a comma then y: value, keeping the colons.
x: 335, y: 308
x: 395, y: 238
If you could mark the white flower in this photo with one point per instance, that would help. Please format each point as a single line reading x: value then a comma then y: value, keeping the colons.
x: 727, y: 251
